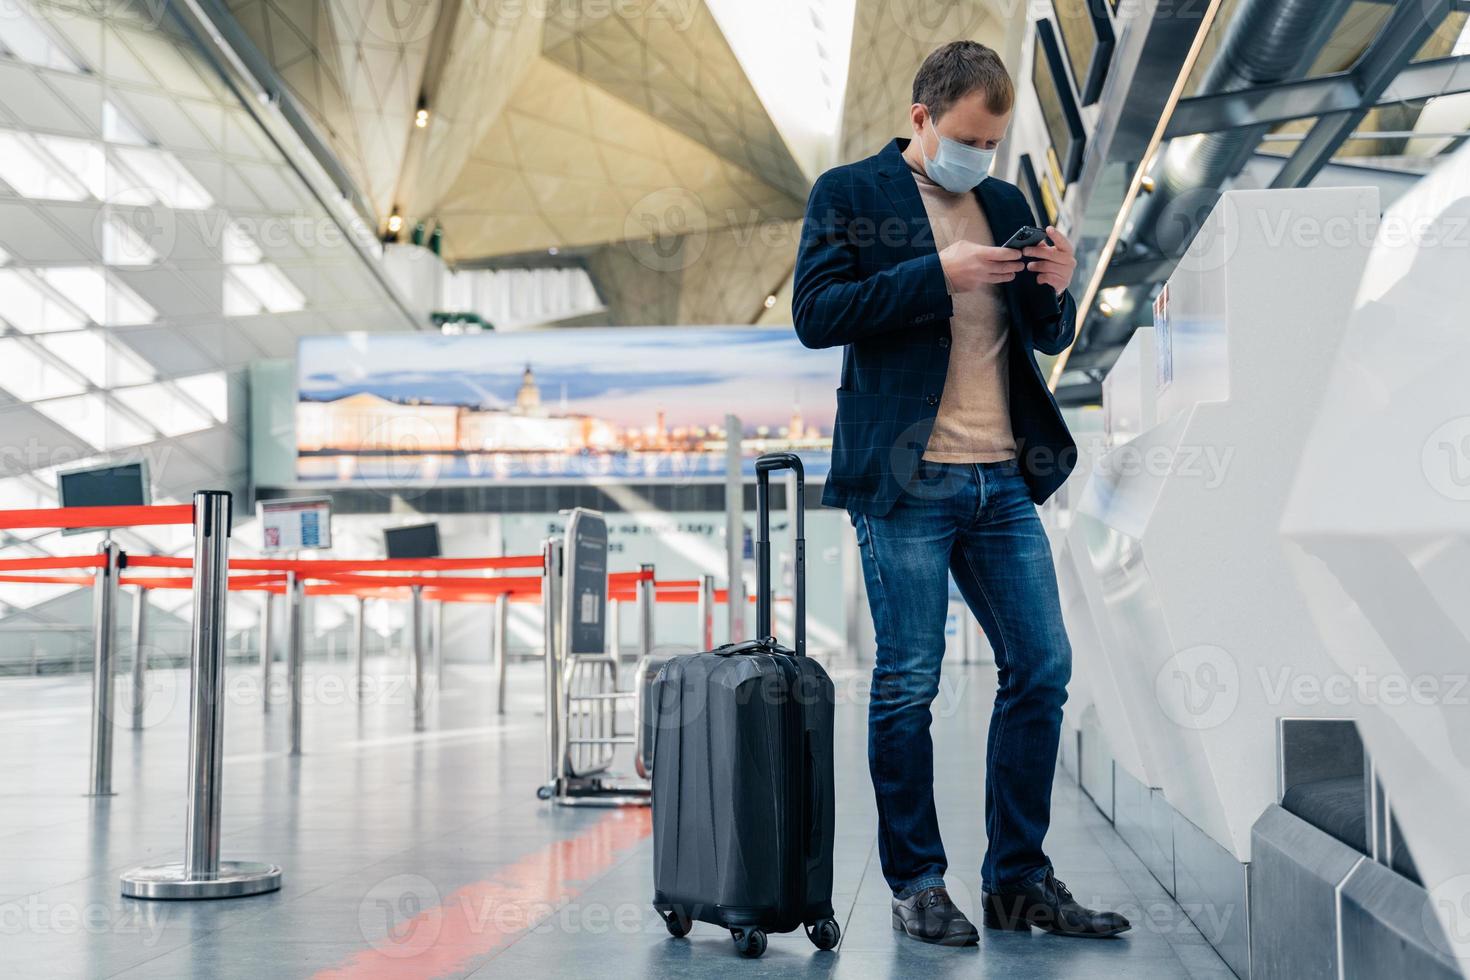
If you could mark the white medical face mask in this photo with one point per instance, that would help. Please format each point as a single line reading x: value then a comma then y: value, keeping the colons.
x: 956, y: 167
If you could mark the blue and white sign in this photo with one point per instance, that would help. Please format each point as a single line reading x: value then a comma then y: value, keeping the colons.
x: 1163, y: 339
x: 295, y: 524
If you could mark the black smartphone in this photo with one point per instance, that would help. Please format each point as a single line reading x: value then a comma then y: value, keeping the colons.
x: 1025, y: 237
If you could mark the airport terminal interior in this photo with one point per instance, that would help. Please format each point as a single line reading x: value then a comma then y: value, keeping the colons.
x: 390, y: 391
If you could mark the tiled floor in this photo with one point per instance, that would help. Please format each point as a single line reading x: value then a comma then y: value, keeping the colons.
x: 430, y: 856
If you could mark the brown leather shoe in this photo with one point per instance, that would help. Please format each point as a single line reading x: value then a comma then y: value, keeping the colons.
x: 931, y: 917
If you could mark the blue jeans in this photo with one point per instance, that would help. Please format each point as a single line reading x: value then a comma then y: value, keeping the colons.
x: 976, y: 522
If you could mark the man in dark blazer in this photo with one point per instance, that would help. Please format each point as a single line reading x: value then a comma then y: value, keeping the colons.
x: 946, y: 439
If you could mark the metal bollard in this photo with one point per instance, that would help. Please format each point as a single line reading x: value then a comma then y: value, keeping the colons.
x: 502, y: 650
x: 104, y: 608
x: 418, y: 658
x: 615, y: 629
x: 359, y: 643
x: 645, y: 611
x: 552, y: 661
x: 439, y: 646
x: 295, y: 657
x: 734, y: 524
x: 202, y: 874
x: 706, y: 612
x: 967, y: 636
x: 266, y: 653
x: 140, y: 657
x: 738, y: 598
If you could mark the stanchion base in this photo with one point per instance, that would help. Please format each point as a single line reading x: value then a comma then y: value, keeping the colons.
x: 235, y: 879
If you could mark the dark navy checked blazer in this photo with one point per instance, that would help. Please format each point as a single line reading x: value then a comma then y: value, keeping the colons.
x: 868, y: 277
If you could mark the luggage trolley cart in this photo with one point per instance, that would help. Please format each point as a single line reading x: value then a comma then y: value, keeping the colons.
x: 583, y: 699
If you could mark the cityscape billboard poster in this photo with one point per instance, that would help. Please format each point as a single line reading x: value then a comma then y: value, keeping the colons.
x: 634, y: 404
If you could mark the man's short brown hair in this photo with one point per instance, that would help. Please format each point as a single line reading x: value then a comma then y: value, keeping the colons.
x: 959, y: 68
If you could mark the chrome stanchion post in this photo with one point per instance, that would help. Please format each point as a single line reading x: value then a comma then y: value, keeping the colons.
x: 360, y: 642
x: 418, y: 657
x: 706, y: 612
x: 295, y: 656
x: 551, y: 638
x: 439, y: 645
x: 502, y: 651
x: 140, y: 657
x: 104, y: 608
x: 615, y: 629
x: 967, y: 635
x: 738, y: 597
x: 266, y: 653
x: 735, y: 527
x: 645, y: 610
x: 203, y: 874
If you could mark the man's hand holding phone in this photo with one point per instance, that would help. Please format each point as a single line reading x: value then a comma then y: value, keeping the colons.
x: 1052, y: 261
x: 969, y: 266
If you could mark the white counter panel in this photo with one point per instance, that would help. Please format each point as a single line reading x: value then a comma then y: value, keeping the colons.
x: 1181, y: 523
x: 1378, y: 527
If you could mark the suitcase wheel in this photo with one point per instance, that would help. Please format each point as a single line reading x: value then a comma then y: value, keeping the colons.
x: 749, y: 943
x: 676, y: 922
x: 824, y: 934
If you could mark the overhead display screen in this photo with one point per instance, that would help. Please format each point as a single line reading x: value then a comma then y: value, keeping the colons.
x: 1087, y: 36
x: 412, y: 541
x: 622, y: 404
x: 1058, y: 106
x: 108, y: 486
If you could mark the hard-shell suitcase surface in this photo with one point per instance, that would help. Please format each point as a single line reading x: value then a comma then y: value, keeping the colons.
x: 743, y: 803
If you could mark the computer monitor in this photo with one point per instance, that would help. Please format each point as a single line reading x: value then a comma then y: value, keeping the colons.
x: 120, y: 485
x: 413, y: 541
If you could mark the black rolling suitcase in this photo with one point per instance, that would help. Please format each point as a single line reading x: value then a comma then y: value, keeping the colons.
x: 742, y: 777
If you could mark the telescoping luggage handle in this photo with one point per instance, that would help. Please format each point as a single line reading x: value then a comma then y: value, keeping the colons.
x: 764, y: 465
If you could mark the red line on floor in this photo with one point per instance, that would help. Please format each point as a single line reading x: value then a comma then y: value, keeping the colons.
x: 479, y: 918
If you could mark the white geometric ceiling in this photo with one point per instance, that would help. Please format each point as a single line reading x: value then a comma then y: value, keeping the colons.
x: 554, y: 127
x: 153, y: 242
x: 890, y: 40
x: 358, y: 68
x: 603, y: 126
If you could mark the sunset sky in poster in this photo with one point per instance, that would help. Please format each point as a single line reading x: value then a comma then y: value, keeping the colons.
x: 623, y: 375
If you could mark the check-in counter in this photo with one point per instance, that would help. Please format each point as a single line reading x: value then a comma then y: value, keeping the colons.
x: 1377, y: 530
x: 1128, y: 409
x: 1182, y: 522
x: 1079, y: 713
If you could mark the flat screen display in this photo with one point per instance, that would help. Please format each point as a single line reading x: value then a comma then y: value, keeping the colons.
x: 1087, y: 36
x: 1058, y: 107
x: 1031, y: 189
x: 110, y: 486
x: 413, y: 541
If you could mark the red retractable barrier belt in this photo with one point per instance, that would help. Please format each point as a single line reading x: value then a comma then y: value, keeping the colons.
x: 304, y: 566
x: 26, y: 564
x: 49, y: 579
x: 78, y: 517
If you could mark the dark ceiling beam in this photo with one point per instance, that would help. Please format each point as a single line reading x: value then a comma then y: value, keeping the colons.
x: 1309, y: 97
x: 1079, y: 395
x: 1457, y: 6
x: 1408, y: 27
x: 1137, y: 272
